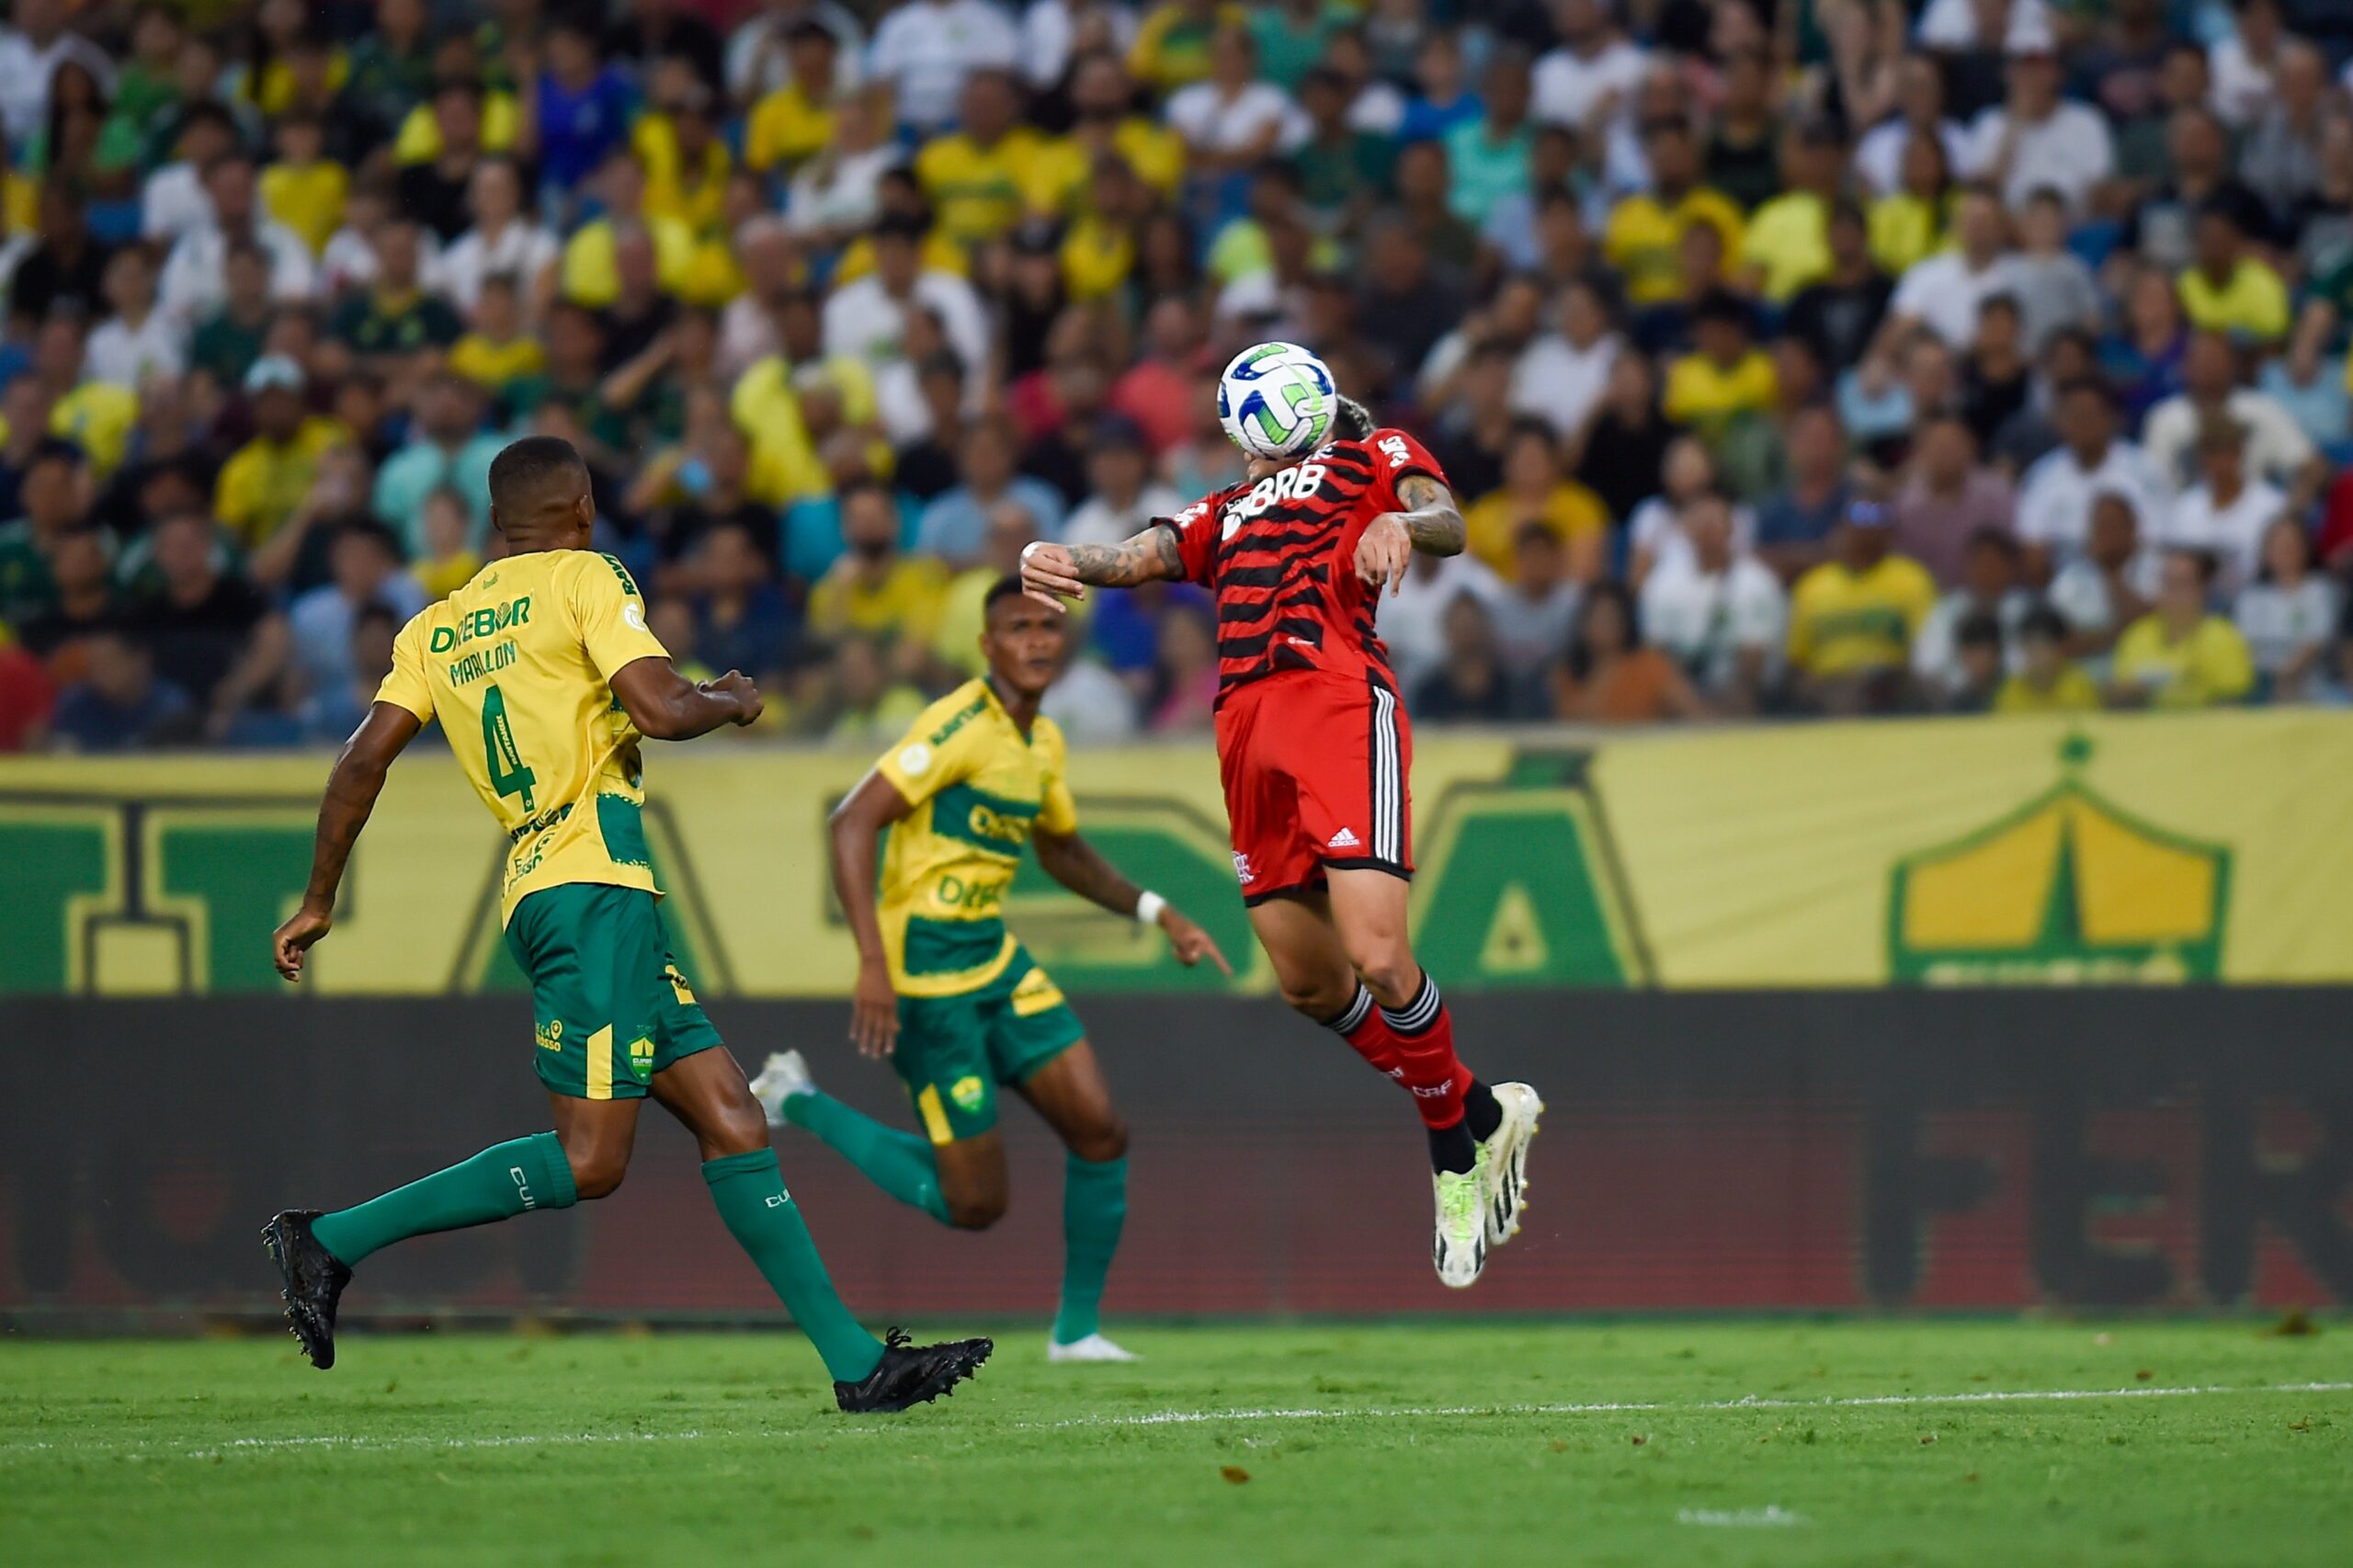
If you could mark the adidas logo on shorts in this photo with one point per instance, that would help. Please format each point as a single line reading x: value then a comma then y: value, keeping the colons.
x: 1343, y: 839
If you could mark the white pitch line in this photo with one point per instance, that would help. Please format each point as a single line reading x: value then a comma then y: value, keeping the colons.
x: 1188, y: 1418
x: 1693, y: 1407
x: 358, y: 1444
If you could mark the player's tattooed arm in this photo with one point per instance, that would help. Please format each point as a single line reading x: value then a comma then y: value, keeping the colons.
x: 1435, y: 522
x: 1431, y: 524
x: 344, y: 810
x: 1052, y: 573
x: 1150, y: 556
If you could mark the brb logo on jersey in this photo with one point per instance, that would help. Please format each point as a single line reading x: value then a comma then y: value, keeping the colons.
x: 1393, y: 449
x: 1294, y: 483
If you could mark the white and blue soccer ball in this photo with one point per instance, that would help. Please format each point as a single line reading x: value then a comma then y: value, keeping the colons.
x: 1276, y: 400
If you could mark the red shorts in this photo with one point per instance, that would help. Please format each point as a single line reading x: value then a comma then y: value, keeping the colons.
x: 1316, y: 769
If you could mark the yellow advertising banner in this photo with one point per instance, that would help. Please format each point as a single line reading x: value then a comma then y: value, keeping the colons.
x: 2117, y: 850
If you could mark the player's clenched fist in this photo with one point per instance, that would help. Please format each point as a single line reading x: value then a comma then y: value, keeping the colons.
x: 1049, y: 574
x: 297, y: 936
x: 738, y: 685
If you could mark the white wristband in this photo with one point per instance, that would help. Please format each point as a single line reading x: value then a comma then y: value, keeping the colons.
x: 1148, y: 907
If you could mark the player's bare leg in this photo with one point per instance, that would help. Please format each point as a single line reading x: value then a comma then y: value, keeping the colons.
x: 707, y: 1093
x: 1072, y: 1097
x: 973, y: 1184
x: 598, y: 1136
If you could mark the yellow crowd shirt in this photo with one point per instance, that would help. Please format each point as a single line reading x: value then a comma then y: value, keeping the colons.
x: 1491, y: 522
x: 2252, y: 302
x: 1842, y: 621
x: 492, y: 364
x: 2073, y: 692
x: 272, y: 91
x: 1788, y: 237
x: 419, y: 138
x: 1098, y: 256
x: 1172, y: 46
x: 786, y: 127
x: 941, y: 253
x: 2206, y: 669
x: 766, y: 409
x: 518, y: 666
x: 976, y: 190
x: 695, y: 196
x: 1905, y: 230
x: 979, y: 788
x: 98, y: 418
x: 907, y: 599
x: 1707, y: 395
x: 263, y: 482
x: 592, y: 277
x: 1056, y: 174
x: 307, y: 199
x: 1645, y: 240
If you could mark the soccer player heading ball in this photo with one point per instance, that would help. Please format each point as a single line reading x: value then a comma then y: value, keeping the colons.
x: 1314, y: 750
x: 545, y: 680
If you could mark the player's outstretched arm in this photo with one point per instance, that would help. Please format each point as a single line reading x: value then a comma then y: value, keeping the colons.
x: 1052, y: 573
x: 856, y: 831
x: 666, y: 706
x: 352, y: 788
x: 1433, y: 525
x: 1080, y: 866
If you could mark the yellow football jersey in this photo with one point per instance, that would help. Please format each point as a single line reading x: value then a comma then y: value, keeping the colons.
x: 976, y: 190
x: 1841, y: 622
x: 978, y: 789
x: 518, y: 665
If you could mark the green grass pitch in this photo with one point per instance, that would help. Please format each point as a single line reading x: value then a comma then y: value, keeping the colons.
x: 1878, y: 1443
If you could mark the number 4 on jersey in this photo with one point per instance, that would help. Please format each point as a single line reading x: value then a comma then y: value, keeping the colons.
x: 508, y: 774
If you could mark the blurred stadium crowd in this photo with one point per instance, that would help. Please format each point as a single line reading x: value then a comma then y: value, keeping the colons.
x: 1787, y: 356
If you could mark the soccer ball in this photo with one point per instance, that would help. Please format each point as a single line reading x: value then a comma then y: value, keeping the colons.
x: 1276, y: 400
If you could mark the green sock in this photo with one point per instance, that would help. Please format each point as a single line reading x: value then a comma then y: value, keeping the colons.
x: 899, y: 1163
x: 497, y: 1184
x: 1094, y: 1204
x: 760, y: 1215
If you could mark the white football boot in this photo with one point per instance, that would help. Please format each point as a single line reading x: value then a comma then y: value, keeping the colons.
x: 783, y: 1076
x: 1461, y: 1248
x: 1504, y: 1161
x: 1094, y: 1347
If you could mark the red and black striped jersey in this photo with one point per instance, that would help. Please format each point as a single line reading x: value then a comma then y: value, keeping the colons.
x: 1279, y: 555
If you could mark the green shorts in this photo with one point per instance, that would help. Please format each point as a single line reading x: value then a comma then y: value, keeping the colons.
x: 609, y: 1005
x: 953, y: 1051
